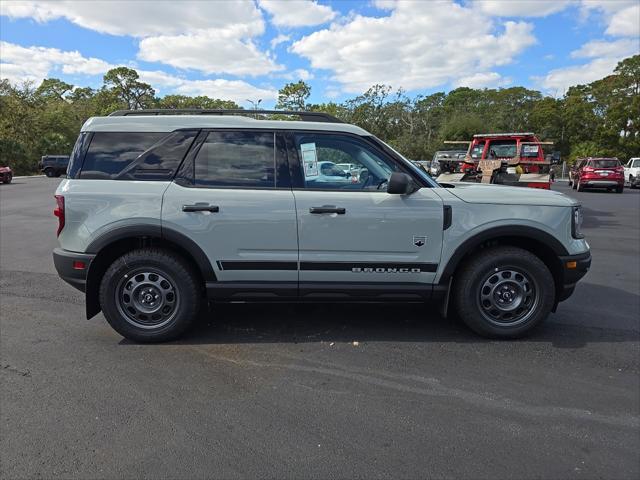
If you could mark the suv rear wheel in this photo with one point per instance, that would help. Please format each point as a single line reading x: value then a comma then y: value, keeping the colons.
x: 49, y: 172
x: 504, y: 292
x: 150, y: 295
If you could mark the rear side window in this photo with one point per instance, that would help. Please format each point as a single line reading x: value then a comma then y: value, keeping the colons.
x: 236, y: 159
x: 162, y: 160
x: 605, y: 163
x: 111, y: 152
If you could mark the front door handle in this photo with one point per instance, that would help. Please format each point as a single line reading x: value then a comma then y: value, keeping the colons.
x: 200, y: 207
x: 328, y: 209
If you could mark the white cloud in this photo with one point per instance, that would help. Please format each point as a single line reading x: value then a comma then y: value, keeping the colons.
x: 297, y: 13
x: 35, y: 63
x: 236, y: 90
x: 414, y: 47
x: 601, y: 48
x: 212, y: 37
x: 622, y: 17
x: 297, y: 74
x: 559, y: 80
x: 209, y: 51
x: 140, y: 18
x: 626, y: 22
x: 483, y: 80
x: 521, y: 8
x: 281, y: 38
x: 604, y: 58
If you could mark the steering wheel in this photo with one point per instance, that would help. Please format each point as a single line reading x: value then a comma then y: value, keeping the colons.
x: 382, y: 183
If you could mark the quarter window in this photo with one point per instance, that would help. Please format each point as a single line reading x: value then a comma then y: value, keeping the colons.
x: 236, y: 159
x: 111, y: 152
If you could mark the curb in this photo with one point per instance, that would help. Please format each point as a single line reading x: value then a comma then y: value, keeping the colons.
x: 30, y: 176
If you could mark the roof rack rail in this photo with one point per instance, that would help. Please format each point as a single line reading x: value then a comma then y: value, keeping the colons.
x: 304, y: 116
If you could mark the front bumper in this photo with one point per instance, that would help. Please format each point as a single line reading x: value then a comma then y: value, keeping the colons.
x: 72, y: 267
x: 574, y: 267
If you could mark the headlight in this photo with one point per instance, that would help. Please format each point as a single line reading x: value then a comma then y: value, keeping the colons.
x: 576, y: 222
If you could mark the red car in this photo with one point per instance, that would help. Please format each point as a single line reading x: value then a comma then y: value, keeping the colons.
x: 598, y: 173
x: 6, y: 174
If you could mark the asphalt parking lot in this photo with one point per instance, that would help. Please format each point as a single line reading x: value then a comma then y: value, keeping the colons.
x: 283, y: 391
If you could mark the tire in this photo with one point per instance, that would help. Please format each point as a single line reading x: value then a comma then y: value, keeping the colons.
x: 49, y: 173
x: 631, y: 180
x: 150, y: 295
x: 8, y: 178
x: 517, y: 278
x: 620, y: 189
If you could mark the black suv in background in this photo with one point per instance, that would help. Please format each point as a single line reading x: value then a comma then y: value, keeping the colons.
x: 54, y: 165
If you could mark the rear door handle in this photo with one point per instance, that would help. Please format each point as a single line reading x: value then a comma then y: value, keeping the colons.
x: 328, y: 209
x: 200, y: 207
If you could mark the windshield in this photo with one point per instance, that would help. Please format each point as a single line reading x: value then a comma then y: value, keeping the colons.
x: 605, y: 163
x: 502, y: 149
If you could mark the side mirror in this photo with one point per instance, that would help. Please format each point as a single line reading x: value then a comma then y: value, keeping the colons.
x: 399, y: 183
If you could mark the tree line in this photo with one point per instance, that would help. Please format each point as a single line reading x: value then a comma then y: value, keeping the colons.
x: 601, y: 118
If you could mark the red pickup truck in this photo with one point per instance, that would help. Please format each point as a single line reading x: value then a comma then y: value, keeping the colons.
x: 516, y: 159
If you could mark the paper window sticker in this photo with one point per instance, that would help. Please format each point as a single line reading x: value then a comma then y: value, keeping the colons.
x: 309, y: 160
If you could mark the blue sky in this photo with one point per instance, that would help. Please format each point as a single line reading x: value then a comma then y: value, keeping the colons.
x: 248, y: 49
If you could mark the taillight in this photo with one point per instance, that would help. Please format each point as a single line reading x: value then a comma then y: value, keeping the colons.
x: 59, y: 212
x: 620, y: 169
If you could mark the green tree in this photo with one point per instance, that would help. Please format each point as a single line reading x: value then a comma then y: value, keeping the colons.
x: 293, y: 96
x: 124, y: 83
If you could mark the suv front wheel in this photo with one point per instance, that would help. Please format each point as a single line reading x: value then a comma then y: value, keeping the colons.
x: 504, y: 292
x: 150, y: 295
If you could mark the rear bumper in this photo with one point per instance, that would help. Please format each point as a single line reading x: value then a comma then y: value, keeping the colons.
x: 574, y: 267
x: 68, y: 267
x: 603, y: 183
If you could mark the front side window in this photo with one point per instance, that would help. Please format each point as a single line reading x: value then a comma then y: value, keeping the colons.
x: 476, y: 151
x: 236, y: 159
x: 335, y: 161
x: 111, y: 152
x: 636, y: 163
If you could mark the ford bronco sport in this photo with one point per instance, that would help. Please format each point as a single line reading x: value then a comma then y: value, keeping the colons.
x: 163, y: 211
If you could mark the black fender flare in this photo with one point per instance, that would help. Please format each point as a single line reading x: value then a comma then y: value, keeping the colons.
x: 495, y: 233
x: 139, y: 231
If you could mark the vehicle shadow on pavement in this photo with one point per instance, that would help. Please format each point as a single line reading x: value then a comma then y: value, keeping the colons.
x: 307, y: 323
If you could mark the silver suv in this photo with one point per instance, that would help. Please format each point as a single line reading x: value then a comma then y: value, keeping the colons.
x: 164, y: 210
